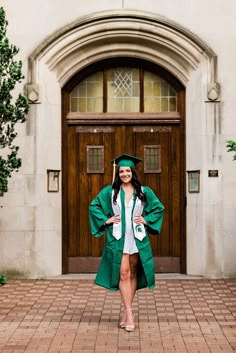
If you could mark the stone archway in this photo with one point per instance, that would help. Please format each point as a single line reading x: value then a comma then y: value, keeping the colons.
x: 127, y: 34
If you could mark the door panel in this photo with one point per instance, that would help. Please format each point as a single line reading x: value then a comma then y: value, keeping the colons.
x: 82, y: 187
x: 166, y: 186
x: 84, y: 250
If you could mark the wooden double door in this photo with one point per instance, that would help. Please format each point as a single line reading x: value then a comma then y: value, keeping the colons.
x: 81, y: 251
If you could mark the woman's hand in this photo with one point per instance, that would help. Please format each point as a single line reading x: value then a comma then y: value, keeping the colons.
x: 114, y: 219
x: 139, y: 220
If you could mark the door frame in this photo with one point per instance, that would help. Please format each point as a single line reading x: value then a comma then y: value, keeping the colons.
x: 81, y: 119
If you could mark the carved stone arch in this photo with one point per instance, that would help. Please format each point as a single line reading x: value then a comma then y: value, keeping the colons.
x: 149, y: 38
x: 124, y: 33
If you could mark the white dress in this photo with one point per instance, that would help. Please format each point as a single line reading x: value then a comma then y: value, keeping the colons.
x: 129, y: 243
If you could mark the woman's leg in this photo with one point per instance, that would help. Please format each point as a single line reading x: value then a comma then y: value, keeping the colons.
x: 128, y: 285
x: 125, y: 281
x: 133, y: 260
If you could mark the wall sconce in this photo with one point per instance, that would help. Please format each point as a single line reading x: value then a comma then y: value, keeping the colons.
x: 193, y: 181
x: 53, y: 180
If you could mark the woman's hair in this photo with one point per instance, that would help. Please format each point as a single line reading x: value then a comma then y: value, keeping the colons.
x: 134, y: 181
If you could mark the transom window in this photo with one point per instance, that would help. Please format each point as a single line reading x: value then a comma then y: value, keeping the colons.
x: 123, y: 90
x: 123, y: 94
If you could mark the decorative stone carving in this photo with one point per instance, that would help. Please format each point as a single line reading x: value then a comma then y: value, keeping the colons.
x: 213, y: 91
x: 33, y: 93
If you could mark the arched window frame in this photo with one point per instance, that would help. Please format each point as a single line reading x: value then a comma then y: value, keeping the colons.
x: 125, y: 62
x: 123, y: 90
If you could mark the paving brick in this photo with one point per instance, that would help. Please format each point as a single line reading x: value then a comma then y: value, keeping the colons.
x: 64, y: 315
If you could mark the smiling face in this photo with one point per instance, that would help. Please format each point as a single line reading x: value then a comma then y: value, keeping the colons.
x: 125, y: 174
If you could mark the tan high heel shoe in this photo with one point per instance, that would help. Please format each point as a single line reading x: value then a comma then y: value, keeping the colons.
x: 123, y: 321
x: 122, y: 324
x: 130, y: 328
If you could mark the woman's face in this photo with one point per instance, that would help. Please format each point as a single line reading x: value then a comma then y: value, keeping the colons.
x: 125, y: 174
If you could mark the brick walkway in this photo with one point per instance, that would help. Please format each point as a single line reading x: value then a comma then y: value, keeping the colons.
x: 64, y: 315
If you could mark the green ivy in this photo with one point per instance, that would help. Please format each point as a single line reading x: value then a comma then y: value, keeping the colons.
x: 231, y: 147
x: 11, y: 111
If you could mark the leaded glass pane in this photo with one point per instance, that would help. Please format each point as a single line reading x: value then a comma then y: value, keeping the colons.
x: 156, y: 89
x: 127, y: 105
x: 123, y: 93
x: 81, y: 106
x: 95, y: 159
x: 159, y: 96
x: 98, y: 104
x: 81, y: 90
x: 164, y: 89
x: 152, y: 159
x: 148, y: 89
x: 164, y: 104
x: 172, y: 92
x: 87, y: 96
x: 156, y: 104
x: 91, y: 104
x: 136, y: 90
x: 73, y: 104
x: 172, y: 104
x: 123, y: 90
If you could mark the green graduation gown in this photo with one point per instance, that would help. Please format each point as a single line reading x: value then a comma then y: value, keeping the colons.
x: 100, y: 210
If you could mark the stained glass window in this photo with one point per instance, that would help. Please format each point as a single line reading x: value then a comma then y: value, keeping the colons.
x: 87, y: 96
x: 159, y: 96
x: 123, y: 92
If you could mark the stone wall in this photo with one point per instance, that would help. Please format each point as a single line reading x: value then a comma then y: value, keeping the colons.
x: 202, y: 35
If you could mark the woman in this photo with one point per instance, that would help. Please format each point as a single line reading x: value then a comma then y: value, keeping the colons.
x: 126, y: 212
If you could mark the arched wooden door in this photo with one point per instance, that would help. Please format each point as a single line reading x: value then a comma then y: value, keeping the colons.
x: 91, y: 141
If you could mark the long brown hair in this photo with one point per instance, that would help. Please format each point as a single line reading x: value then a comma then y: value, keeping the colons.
x: 134, y: 181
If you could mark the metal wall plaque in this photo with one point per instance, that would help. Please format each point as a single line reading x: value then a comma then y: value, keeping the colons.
x: 213, y: 173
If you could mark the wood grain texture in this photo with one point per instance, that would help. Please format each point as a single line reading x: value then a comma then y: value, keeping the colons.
x: 122, y: 133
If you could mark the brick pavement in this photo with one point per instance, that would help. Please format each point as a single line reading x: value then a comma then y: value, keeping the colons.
x: 74, y: 315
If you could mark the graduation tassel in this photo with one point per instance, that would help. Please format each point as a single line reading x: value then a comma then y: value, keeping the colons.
x: 114, y: 172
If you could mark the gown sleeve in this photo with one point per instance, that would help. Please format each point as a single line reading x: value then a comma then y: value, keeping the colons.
x: 153, y: 212
x: 99, y: 212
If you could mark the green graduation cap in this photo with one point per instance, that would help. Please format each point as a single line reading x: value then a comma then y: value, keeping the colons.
x: 125, y: 160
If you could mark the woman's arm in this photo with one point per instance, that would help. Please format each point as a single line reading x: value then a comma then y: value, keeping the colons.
x: 153, y: 212
x: 100, y: 212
